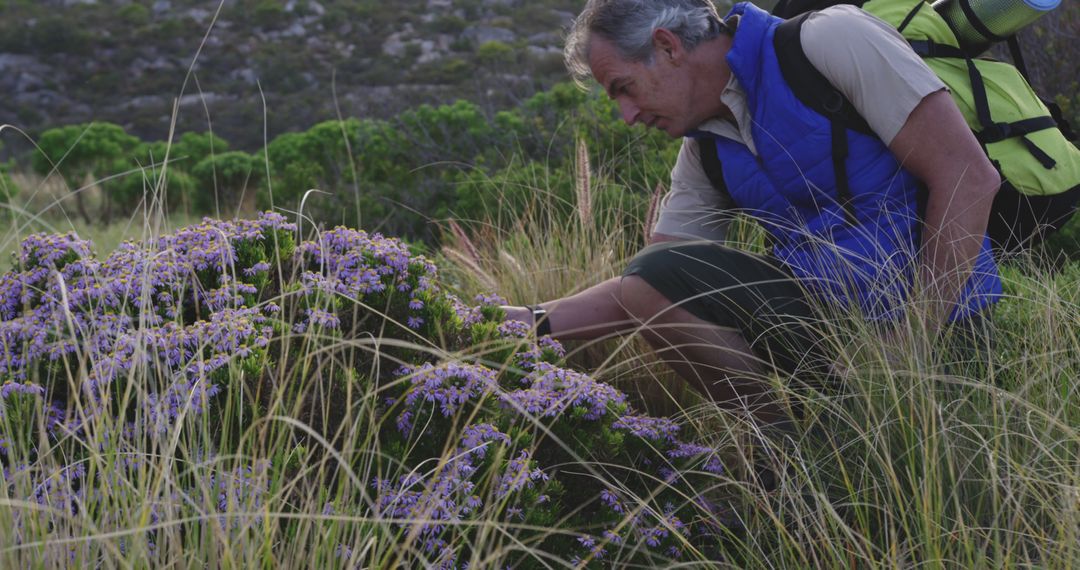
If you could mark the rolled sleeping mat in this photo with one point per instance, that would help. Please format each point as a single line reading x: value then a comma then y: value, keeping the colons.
x: 979, y: 23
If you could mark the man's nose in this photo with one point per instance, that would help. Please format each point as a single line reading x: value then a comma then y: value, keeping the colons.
x: 629, y: 111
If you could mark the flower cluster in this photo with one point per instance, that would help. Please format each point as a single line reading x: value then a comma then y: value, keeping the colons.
x: 448, y: 386
x: 178, y: 305
x: 448, y: 496
x: 192, y: 308
x: 9, y: 388
x: 51, y: 251
x: 237, y: 495
x: 246, y: 486
x: 354, y: 265
x: 647, y: 427
x: 551, y: 390
x: 435, y: 503
x: 477, y: 438
x: 641, y: 526
x: 520, y: 473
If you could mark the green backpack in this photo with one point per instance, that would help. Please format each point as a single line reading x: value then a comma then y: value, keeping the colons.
x: 1019, y: 133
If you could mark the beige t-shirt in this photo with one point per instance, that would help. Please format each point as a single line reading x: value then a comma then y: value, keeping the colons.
x: 865, y: 58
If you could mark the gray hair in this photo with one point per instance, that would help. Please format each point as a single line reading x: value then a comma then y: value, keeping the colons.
x: 629, y: 25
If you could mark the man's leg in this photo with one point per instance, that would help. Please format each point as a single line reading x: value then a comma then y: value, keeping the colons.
x: 712, y: 313
x: 717, y: 361
x: 726, y: 318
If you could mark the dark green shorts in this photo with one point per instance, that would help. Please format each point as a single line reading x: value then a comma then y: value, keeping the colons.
x: 750, y: 293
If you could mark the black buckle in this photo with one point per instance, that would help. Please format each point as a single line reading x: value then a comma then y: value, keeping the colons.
x: 996, y: 132
x: 835, y: 103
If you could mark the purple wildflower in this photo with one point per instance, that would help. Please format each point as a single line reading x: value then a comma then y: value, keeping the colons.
x: 450, y: 385
x: 684, y: 449
x: 517, y: 329
x: 611, y: 500
x: 10, y: 388
x: 655, y: 429
x: 548, y: 343
x: 553, y: 390
x: 612, y: 537
x: 489, y: 300
x: 476, y: 438
x: 519, y: 474
x: 261, y: 267
x: 324, y: 319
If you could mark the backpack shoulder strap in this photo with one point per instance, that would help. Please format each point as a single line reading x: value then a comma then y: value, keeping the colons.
x: 714, y: 170
x: 808, y: 84
x: 710, y: 163
x: 819, y: 94
x: 791, y: 8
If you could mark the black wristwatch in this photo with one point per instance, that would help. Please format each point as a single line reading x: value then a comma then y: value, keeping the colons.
x: 541, y: 324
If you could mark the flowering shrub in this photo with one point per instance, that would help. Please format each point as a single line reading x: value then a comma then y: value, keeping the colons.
x: 480, y: 420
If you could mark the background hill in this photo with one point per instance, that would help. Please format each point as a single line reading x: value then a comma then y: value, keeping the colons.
x: 400, y: 113
x: 127, y: 61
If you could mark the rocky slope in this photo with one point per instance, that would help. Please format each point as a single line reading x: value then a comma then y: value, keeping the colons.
x: 134, y: 62
x: 253, y: 69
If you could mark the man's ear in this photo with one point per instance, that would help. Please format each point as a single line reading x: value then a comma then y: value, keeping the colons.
x: 667, y: 45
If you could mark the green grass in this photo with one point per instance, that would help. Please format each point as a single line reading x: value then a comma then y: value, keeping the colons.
x: 921, y: 459
x: 46, y: 206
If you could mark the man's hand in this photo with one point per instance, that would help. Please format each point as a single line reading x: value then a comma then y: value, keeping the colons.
x: 937, y: 146
x: 518, y: 314
x: 593, y: 313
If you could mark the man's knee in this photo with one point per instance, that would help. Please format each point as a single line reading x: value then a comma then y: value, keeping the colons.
x: 640, y: 299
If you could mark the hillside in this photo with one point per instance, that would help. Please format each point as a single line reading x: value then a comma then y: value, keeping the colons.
x: 127, y: 61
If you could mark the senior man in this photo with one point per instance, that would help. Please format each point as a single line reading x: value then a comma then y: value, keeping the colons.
x: 854, y: 232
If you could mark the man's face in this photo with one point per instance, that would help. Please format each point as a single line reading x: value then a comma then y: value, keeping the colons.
x: 656, y: 94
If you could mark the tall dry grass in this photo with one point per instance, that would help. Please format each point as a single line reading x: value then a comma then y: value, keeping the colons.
x: 920, y: 458
x: 929, y: 453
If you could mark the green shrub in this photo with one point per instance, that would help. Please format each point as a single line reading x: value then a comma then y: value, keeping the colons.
x: 227, y: 182
x: 8, y: 190
x: 57, y: 34
x: 134, y: 14
x: 495, y: 52
x: 268, y: 13
x: 448, y: 70
x: 447, y: 24
x: 101, y: 150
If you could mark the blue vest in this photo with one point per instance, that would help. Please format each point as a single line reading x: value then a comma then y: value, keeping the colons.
x: 790, y: 188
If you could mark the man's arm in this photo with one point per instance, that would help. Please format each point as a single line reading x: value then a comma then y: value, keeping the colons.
x: 907, y: 107
x: 936, y: 145
x: 590, y: 314
x: 593, y: 313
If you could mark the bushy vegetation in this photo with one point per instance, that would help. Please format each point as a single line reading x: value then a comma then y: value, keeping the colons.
x: 259, y: 392
x: 266, y: 367
x: 230, y: 394
x: 445, y: 161
x: 311, y: 59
